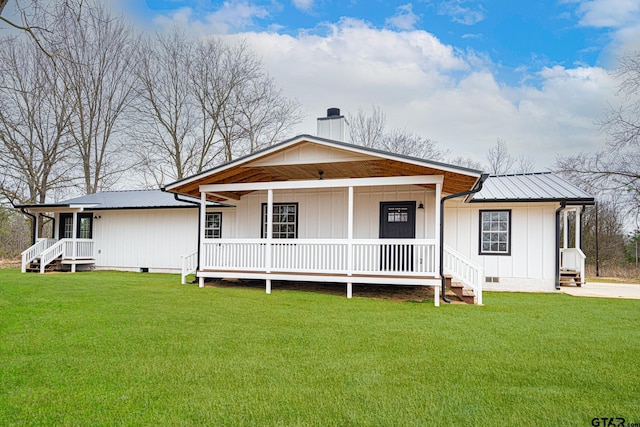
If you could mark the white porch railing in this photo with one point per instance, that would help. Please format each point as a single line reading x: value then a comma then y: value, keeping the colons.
x: 464, y: 270
x: 34, y: 251
x: 393, y: 257
x: 189, y: 265
x: 573, y: 259
x: 68, y: 249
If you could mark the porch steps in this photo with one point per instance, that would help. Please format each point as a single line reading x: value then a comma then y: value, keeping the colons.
x: 465, y: 295
x: 34, y: 266
x: 570, y: 278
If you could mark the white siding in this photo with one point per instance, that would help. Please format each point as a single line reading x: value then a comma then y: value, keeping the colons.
x: 149, y: 238
x: 531, y: 264
x: 323, y: 213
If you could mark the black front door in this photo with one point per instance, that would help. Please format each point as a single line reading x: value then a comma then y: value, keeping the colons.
x: 397, y: 221
x: 84, y: 229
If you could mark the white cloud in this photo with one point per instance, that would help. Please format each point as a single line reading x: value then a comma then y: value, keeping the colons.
x: 608, y: 13
x: 405, y: 19
x: 303, y: 5
x: 232, y: 16
x: 460, y: 13
x: 437, y: 91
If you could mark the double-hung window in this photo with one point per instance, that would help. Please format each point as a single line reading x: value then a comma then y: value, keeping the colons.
x: 213, y: 225
x: 285, y: 220
x: 495, y: 232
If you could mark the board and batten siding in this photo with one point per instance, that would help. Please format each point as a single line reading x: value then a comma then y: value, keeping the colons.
x: 149, y: 238
x: 531, y: 264
x: 322, y: 213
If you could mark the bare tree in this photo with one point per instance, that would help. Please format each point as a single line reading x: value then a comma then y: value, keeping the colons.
x: 34, y: 124
x: 370, y: 131
x: 32, y: 11
x: 203, y: 102
x: 165, y: 131
x: 265, y: 114
x: 524, y: 164
x: 615, y: 168
x: 467, y: 162
x: 367, y: 130
x: 96, y: 59
x: 221, y: 73
x: 499, y: 160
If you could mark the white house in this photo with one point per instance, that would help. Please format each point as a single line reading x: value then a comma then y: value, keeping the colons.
x: 140, y: 230
x: 336, y: 212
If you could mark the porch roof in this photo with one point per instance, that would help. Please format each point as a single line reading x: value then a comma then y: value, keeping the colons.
x: 332, y: 160
x: 531, y: 187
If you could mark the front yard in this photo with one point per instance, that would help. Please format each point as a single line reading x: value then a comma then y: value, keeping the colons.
x: 111, y: 348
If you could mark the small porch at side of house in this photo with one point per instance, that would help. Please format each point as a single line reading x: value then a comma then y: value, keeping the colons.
x: 135, y: 230
x: 336, y: 213
x: 71, y: 243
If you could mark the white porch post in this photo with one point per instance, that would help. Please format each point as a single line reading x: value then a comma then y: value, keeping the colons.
x: 269, y: 231
x: 578, y: 225
x: 202, y: 219
x: 437, y: 225
x: 75, y: 241
x: 565, y: 219
x: 350, y: 240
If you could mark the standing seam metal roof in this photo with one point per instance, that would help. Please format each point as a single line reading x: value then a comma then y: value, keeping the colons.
x: 128, y: 199
x: 530, y: 187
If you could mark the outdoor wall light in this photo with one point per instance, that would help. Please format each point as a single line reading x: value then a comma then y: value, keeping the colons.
x: 420, y: 206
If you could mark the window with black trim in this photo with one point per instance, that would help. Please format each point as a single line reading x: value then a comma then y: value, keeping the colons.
x: 495, y: 232
x: 213, y: 225
x: 285, y: 220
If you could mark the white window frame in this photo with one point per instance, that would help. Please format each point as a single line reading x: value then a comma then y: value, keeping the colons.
x: 211, y: 230
x: 495, y: 231
x: 285, y: 222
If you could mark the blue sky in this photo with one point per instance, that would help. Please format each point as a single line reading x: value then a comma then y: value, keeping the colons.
x: 535, y: 73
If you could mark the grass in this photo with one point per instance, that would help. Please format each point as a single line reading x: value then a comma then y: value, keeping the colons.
x: 110, y: 348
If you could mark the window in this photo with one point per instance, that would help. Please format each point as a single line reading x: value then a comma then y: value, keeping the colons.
x: 285, y: 220
x: 84, y: 227
x: 213, y: 225
x: 397, y: 214
x: 495, y: 232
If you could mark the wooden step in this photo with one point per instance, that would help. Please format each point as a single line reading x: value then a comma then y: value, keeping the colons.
x: 465, y: 295
x: 34, y: 266
x: 570, y: 278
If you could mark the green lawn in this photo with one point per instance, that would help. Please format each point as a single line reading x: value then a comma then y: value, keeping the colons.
x: 107, y: 348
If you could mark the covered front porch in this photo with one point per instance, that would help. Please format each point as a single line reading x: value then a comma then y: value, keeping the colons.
x: 312, y: 209
x: 369, y: 248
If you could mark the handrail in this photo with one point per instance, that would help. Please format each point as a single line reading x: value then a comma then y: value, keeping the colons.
x: 66, y: 248
x: 189, y: 265
x: 52, y: 253
x: 464, y: 270
x: 34, y: 251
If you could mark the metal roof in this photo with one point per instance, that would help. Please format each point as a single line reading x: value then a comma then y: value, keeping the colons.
x: 129, y: 199
x: 541, y: 186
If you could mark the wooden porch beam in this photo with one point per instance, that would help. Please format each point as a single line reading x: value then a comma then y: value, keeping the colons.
x: 327, y: 183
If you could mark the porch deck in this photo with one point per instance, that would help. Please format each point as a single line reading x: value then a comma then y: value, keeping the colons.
x: 368, y: 261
